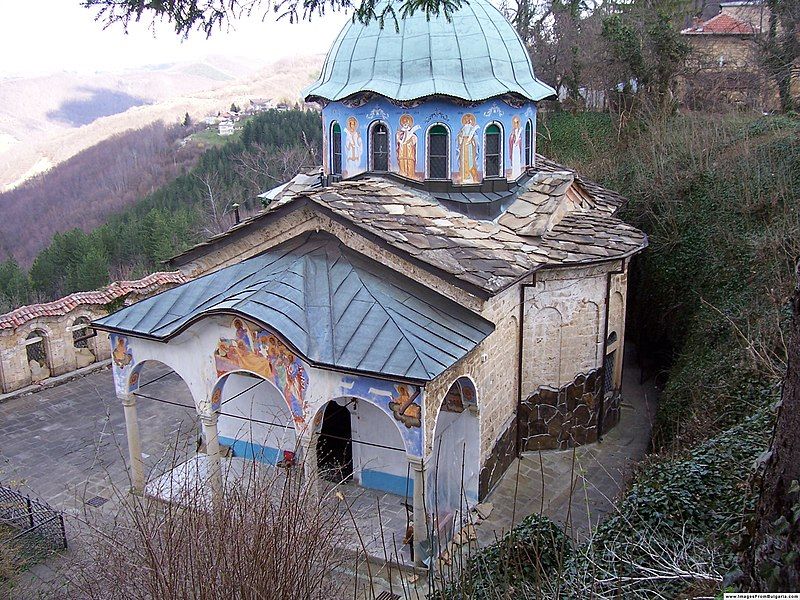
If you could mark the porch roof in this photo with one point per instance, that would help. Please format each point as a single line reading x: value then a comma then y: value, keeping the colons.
x: 336, y: 307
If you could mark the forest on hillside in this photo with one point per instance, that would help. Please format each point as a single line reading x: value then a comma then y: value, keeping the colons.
x: 271, y: 148
x: 95, y: 183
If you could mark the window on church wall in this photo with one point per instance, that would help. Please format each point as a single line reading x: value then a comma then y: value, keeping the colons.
x: 494, y: 159
x: 336, y: 149
x: 379, y: 147
x: 438, y: 152
x: 529, y: 143
x: 80, y: 331
x: 35, y: 347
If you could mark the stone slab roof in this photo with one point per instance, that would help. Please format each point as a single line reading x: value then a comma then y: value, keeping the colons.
x: 336, y: 307
x: 556, y: 218
x: 106, y: 295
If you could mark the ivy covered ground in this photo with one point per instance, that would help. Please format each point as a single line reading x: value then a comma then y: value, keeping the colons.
x: 717, y: 196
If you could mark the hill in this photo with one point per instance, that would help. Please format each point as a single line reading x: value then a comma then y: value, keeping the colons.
x: 46, y: 120
x: 271, y: 148
x: 88, y: 187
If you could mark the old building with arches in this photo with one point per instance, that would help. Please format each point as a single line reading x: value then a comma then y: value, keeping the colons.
x: 432, y: 301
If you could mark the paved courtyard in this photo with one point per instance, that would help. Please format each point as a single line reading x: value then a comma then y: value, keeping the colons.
x: 67, y: 445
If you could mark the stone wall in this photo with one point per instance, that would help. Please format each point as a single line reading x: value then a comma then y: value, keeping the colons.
x: 55, y: 322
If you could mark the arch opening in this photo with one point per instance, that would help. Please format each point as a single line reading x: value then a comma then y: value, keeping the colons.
x: 84, y: 355
x: 255, y: 421
x: 379, y: 146
x: 438, y: 152
x: 336, y: 148
x: 371, y: 453
x: 454, y: 463
x: 493, y: 154
x: 37, y: 354
x: 335, y: 443
x: 529, y: 143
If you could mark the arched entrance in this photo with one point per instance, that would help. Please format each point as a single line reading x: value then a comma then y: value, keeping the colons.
x: 255, y: 421
x: 335, y: 443
x: 454, y: 463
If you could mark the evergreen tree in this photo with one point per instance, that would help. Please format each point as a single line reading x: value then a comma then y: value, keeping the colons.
x: 14, y: 286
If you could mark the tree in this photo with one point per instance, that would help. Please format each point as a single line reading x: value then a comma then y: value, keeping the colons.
x: 771, y: 561
x: 14, y: 286
x: 646, y: 49
x: 780, y: 47
x: 188, y: 15
x: 234, y: 108
x: 187, y: 120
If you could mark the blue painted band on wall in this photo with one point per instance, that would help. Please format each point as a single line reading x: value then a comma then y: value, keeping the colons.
x: 386, y: 482
x: 243, y: 449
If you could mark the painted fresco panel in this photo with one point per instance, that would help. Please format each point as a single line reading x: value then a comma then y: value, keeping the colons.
x: 209, y: 351
x: 408, y: 126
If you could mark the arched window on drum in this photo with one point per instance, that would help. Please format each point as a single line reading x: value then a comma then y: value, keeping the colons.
x: 336, y: 149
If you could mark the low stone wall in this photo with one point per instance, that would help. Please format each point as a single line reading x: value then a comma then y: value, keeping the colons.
x: 39, y: 341
x: 567, y: 417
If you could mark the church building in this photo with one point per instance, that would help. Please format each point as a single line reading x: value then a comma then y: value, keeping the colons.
x: 433, y: 301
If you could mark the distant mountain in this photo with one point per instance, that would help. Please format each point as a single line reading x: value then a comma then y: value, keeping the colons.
x: 45, y: 120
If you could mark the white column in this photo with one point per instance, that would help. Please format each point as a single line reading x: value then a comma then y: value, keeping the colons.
x: 308, y: 443
x: 420, y: 515
x: 134, y: 443
x: 212, y: 452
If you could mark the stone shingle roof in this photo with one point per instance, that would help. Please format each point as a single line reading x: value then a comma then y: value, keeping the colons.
x: 556, y: 218
x: 108, y: 294
x: 490, y: 255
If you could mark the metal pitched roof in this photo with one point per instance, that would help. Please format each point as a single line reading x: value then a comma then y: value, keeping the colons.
x: 474, y: 55
x: 336, y: 307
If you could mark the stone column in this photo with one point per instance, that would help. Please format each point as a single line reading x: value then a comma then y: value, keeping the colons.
x: 134, y: 443
x: 212, y: 452
x: 420, y: 515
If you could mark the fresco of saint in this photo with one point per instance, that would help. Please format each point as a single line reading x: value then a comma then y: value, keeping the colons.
x: 467, y: 140
x: 516, y: 141
x: 262, y: 353
x: 353, y: 148
x: 407, y: 146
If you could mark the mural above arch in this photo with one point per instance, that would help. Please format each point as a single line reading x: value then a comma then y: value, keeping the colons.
x: 460, y: 396
x: 259, y: 351
x: 126, y: 379
x: 400, y: 401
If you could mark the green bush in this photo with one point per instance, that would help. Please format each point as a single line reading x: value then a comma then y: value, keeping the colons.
x: 533, y: 552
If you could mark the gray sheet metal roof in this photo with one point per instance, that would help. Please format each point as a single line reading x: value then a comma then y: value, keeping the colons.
x: 473, y: 56
x: 336, y: 307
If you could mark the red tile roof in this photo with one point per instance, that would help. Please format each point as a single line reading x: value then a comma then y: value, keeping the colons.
x: 116, y: 290
x: 722, y: 24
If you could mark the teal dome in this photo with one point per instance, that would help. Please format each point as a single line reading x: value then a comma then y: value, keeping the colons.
x: 474, y: 56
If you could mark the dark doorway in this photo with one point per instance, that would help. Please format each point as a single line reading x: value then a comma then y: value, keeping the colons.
x: 335, y: 444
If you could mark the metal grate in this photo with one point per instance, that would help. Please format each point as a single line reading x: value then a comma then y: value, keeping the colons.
x: 96, y: 501
x: 79, y: 330
x: 34, y: 345
x: 387, y: 596
x: 40, y: 528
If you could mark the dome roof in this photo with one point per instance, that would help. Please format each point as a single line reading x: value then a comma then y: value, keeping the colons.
x: 474, y: 56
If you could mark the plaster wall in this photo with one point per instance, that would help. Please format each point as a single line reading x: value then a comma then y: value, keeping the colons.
x: 239, y: 425
x: 564, y: 328
x: 385, y: 468
x: 356, y: 122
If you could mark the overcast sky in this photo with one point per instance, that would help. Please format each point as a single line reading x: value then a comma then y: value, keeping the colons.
x: 41, y: 36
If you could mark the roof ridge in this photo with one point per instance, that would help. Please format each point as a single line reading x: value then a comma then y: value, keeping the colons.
x: 343, y: 250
